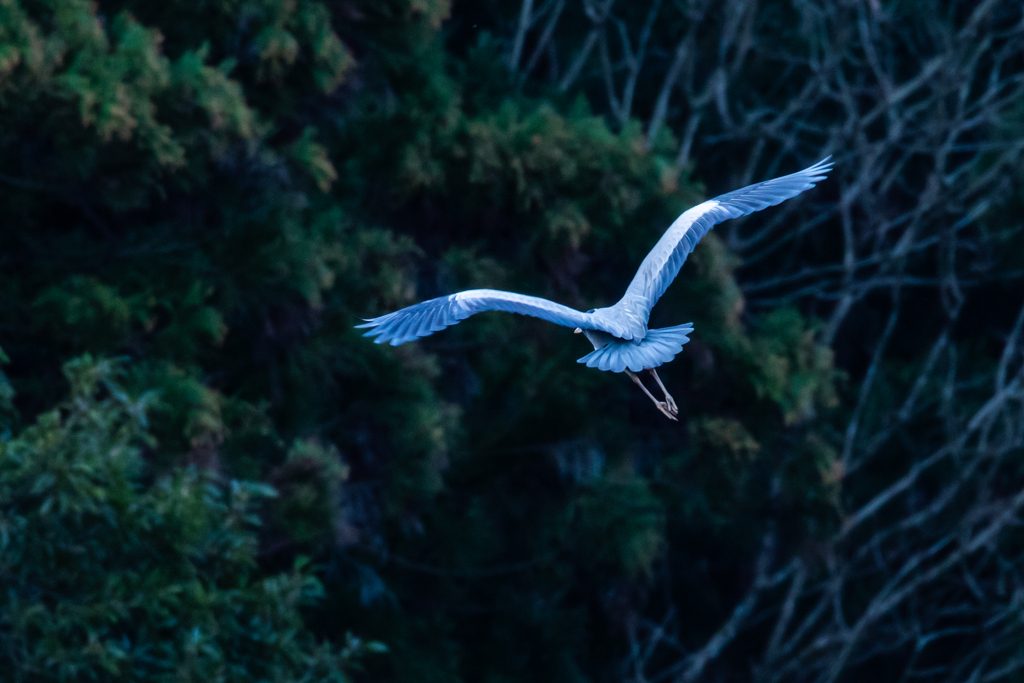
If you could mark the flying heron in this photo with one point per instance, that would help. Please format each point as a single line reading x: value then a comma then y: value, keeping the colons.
x: 622, y: 342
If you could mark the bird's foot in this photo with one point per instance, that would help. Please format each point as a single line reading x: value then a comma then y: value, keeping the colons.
x: 669, y: 411
x: 669, y: 401
x: 668, y: 408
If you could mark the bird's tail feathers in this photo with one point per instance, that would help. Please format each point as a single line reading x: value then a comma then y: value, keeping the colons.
x: 657, y: 348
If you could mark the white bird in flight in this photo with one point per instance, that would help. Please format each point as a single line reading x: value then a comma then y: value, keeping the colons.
x: 622, y: 342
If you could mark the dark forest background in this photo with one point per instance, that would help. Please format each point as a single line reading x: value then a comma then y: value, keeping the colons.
x: 206, y: 474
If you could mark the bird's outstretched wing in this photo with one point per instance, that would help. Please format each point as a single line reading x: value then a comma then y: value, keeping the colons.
x: 422, y: 319
x: 662, y: 264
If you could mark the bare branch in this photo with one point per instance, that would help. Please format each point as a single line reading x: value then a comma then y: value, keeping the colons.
x: 525, y: 17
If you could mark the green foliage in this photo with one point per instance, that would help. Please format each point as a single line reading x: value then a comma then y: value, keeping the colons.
x: 84, y: 312
x: 795, y: 371
x: 219, y: 191
x: 8, y: 414
x: 621, y: 522
x: 310, y: 482
x: 113, y: 574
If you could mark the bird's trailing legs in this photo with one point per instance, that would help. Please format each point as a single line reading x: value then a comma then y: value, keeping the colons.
x: 663, y: 406
x: 673, y: 408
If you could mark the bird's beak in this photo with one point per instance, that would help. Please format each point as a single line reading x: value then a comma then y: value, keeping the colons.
x: 578, y: 331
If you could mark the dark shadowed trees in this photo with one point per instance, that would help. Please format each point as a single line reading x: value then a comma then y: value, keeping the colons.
x: 215, y: 193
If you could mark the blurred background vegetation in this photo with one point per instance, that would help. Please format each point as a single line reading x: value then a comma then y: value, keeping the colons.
x: 206, y: 474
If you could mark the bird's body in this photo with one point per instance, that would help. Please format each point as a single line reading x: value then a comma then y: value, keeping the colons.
x: 622, y: 342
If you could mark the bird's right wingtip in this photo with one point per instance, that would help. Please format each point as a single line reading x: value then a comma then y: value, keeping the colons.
x: 823, y: 166
x: 819, y: 171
